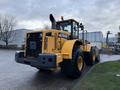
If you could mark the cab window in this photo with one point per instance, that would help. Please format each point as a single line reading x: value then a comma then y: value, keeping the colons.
x: 63, y: 35
x: 75, y: 29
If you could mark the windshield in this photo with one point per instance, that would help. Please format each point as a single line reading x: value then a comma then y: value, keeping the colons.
x: 64, y: 26
x: 70, y: 26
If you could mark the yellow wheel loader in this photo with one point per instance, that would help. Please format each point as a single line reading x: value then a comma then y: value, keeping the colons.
x: 59, y: 46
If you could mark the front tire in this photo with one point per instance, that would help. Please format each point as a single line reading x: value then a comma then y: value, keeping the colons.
x: 73, y: 68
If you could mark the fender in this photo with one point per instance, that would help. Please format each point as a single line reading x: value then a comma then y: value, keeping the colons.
x: 86, y: 47
x: 67, y: 48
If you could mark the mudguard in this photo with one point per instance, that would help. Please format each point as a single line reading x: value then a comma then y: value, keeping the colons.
x: 67, y: 48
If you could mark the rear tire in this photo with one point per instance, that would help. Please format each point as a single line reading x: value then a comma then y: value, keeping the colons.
x: 90, y: 57
x: 73, y: 68
x: 97, y: 60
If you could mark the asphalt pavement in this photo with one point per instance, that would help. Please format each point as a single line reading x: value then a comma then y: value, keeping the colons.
x: 109, y: 57
x: 15, y: 76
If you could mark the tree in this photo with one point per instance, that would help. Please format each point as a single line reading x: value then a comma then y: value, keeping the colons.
x: 7, y: 32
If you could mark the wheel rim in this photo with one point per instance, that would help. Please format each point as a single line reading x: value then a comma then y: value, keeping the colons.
x: 94, y: 56
x: 80, y: 63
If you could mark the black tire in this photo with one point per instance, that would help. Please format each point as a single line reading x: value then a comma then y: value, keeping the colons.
x: 70, y: 67
x: 89, y: 60
x: 97, y: 60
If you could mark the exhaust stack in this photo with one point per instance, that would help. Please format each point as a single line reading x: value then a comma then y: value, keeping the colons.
x: 53, y: 21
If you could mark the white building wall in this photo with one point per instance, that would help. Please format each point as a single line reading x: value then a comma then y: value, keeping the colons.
x: 111, y: 39
x: 95, y: 38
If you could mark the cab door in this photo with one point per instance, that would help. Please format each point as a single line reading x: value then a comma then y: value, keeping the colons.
x: 49, y: 42
x: 62, y: 37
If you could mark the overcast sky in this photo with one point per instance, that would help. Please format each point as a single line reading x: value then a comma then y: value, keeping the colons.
x: 96, y: 15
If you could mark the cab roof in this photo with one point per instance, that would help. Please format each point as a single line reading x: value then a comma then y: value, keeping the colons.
x: 68, y: 20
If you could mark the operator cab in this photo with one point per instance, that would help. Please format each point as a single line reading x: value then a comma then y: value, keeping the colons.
x: 70, y: 26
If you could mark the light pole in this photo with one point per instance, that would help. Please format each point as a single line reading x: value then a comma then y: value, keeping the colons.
x: 107, y: 38
x: 86, y: 34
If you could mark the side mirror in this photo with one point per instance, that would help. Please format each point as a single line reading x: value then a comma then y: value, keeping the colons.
x: 81, y: 26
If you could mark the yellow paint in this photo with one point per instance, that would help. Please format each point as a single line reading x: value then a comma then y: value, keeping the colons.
x: 54, y: 44
x: 67, y: 49
x: 50, y: 44
x: 86, y: 47
x: 59, y: 58
x: 49, y: 30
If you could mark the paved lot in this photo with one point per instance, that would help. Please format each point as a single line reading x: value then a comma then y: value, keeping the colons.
x: 14, y: 76
x: 105, y: 58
